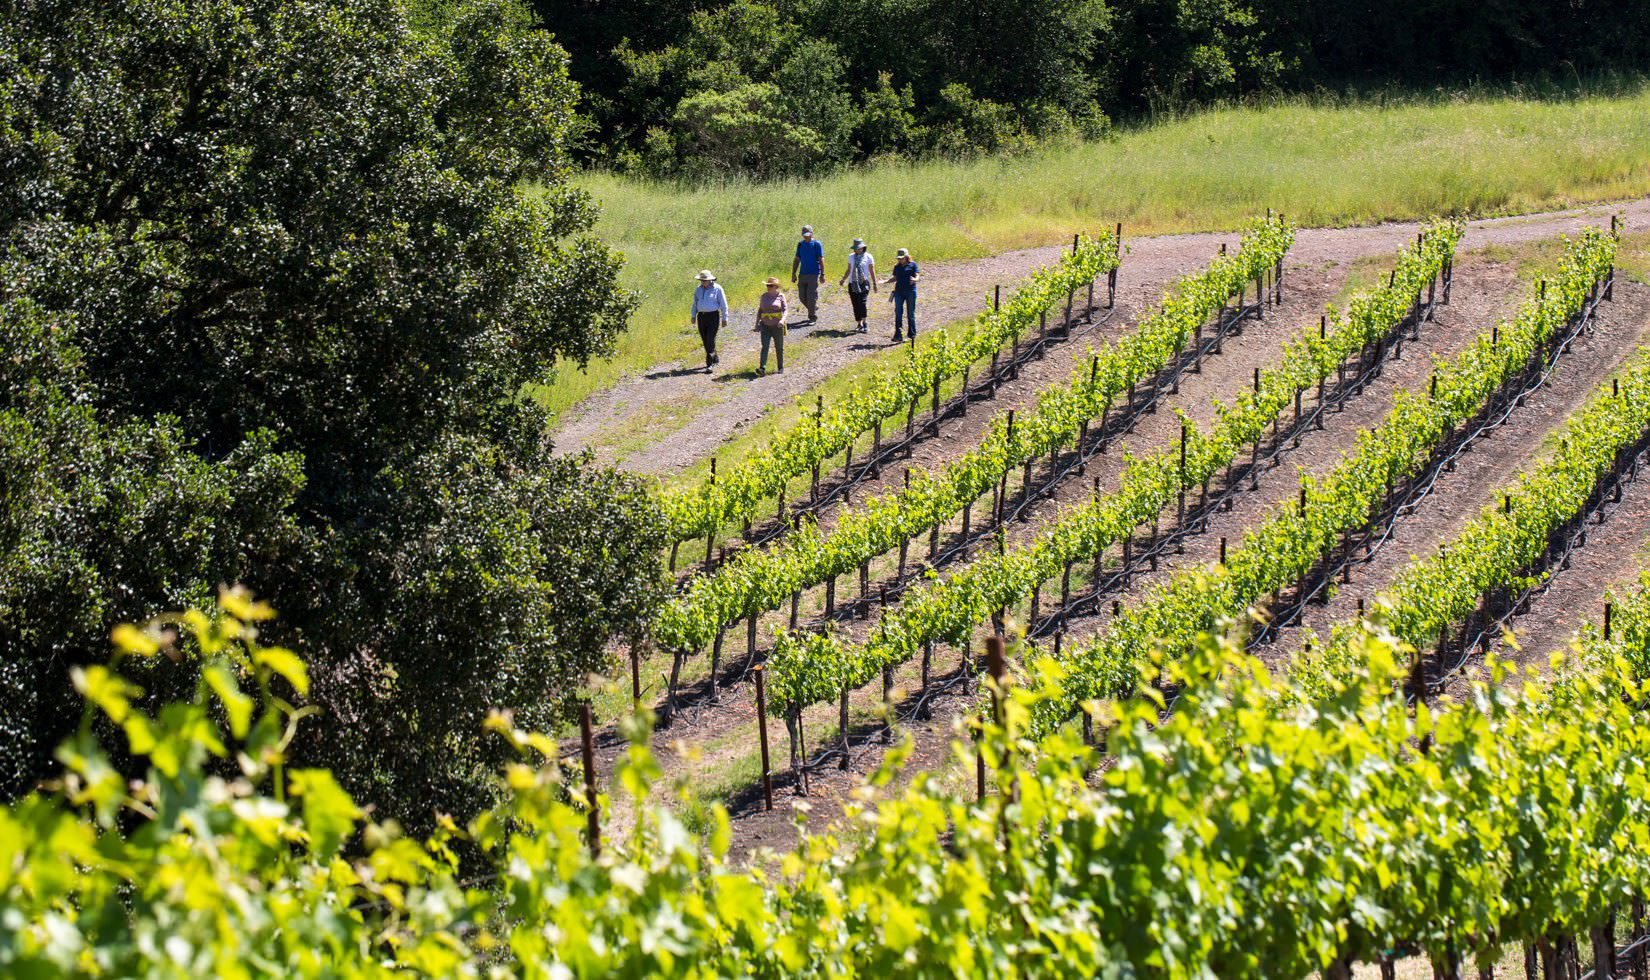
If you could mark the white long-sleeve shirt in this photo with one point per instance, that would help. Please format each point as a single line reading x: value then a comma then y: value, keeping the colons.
x: 709, y: 299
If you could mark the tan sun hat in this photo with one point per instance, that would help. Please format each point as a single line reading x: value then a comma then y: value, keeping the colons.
x: 705, y: 275
x: 770, y: 281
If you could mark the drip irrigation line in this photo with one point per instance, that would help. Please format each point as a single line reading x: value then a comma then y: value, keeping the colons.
x: 955, y: 407
x: 1118, y: 425
x: 1419, y: 488
x: 1388, y: 348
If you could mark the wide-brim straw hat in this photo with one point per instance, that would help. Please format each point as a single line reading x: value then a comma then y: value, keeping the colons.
x: 705, y: 275
x: 902, y: 254
x: 770, y: 281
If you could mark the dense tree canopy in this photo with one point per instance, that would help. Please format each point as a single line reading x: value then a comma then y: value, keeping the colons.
x: 712, y: 87
x: 272, y: 282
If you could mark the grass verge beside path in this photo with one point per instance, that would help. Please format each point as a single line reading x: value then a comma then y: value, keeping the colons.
x: 1321, y: 164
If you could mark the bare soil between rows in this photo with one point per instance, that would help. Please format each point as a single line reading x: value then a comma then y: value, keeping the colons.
x: 1485, y: 290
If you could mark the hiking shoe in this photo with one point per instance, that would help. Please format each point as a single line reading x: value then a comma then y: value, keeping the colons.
x: 761, y: 371
x: 863, y: 328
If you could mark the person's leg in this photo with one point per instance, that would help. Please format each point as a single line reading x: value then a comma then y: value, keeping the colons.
x: 899, y: 314
x: 911, y: 313
x: 813, y: 299
x: 762, y: 361
x: 779, y: 349
x: 857, y: 298
x: 707, y: 336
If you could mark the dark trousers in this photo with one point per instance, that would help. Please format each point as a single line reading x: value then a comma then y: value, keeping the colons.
x: 905, y: 306
x: 774, y: 334
x: 807, y: 288
x: 857, y: 298
x: 709, y: 323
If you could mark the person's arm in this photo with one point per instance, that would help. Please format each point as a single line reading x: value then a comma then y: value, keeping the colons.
x: 821, y: 263
x: 796, y: 262
x: 871, y: 263
x: 722, y: 302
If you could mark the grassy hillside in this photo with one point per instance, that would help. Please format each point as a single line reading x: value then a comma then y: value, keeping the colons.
x: 1321, y: 164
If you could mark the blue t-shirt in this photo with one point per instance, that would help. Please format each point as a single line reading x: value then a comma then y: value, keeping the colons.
x: 811, y: 256
x: 904, y: 278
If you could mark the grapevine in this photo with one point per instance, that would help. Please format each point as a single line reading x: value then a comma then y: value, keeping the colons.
x: 1284, y: 548
x: 1495, y: 548
x: 949, y: 609
x: 738, y: 493
x: 756, y: 580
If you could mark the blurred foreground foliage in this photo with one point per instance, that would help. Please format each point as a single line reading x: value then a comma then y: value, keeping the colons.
x: 1249, y: 833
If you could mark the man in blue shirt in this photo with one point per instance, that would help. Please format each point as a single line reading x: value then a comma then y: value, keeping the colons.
x: 904, y: 295
x: 808, y: 271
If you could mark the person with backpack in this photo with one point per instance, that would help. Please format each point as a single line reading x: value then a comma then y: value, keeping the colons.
x: 904, y: 295
x: 709, y: 312
x: 808, y: 271
x: 861, y: 279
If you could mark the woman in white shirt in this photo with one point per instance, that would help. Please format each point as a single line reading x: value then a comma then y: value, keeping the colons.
x: 709, y: 313
x: 861, y: 279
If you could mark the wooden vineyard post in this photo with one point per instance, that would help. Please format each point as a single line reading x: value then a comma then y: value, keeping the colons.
x: 819, y: 423
x: 927, y: 664
x: 762, y: 732
x: 998, y: 669
x: 1111, y: 277
x: 710, y: 539
x: 716, y: 663
x: 593, y: 829
x: 635, y: 675
x: 1180, y: 517
x: 842, y: 724
x: 1609, y: 608
x: 888, y: 705
x: 1100, y: 552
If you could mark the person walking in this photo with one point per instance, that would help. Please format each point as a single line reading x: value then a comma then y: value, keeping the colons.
x: 770, y: 323
x: 808, y: 271
x: 861, y: 279
x: 904, y: 295
x: 709, y: 313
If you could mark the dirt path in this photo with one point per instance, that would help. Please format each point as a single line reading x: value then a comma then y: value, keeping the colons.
x: 703, y: 412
